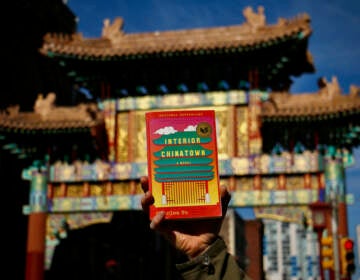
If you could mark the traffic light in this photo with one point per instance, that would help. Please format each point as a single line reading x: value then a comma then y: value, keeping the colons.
x: 347, y: 256
x: 327, y: 252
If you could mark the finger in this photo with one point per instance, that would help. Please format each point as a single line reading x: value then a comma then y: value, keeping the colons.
x: 156, y: 221
x: 144, y: 180
x: 225, y: 198
x: 146, y: 201
x: 225, y: 195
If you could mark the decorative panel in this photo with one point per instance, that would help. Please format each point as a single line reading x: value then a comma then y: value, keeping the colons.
x: 269, y: 183
x: 122, y: 137
x: 254, y: 107
x: 75, y: 191
x: 180, y: 101
x: 242, y: 136
x: 109, y: 111
x: 295, y: 182
x: 244, y: 184
x: 121, y: 188
x: 225, y: 121
x: 138, y: 137
x: 97, y: 189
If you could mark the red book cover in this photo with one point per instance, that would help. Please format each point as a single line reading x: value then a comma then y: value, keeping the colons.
x: 183, y: 163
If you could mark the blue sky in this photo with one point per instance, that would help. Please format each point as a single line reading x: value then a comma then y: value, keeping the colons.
x: 334, y: 43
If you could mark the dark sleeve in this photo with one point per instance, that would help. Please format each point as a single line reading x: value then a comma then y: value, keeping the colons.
x: 214, y: 264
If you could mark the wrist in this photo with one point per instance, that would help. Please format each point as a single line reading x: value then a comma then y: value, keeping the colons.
x: 205, y: 261
x: 202, y: 247
x: 198, y: 251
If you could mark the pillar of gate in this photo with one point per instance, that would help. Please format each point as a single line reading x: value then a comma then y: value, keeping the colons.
x: 35, y: 250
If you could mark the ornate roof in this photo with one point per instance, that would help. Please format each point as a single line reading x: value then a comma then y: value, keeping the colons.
x: 47, y: 116
x: 329, y: 100
x: 114, y: 42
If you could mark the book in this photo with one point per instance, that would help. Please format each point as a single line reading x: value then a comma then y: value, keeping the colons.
x: 183, y: 163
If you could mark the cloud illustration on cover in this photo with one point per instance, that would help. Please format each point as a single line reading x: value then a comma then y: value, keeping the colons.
x: 166, y: 130
x: 191, y: 128
x: 171, y: 130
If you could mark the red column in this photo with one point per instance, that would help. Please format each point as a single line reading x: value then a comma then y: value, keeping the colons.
x: 342, y: 219
x: 35, y: 251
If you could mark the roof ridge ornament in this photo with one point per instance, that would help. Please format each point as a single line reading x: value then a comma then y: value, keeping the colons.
x: 10, y: 111
x: 354, y: 91
x: 113, y: 31
x: 49, y: 111
x: 254, y: 19
x: 329, y: 89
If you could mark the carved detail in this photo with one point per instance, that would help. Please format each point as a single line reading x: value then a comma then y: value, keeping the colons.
x: 114, y: 30
x: 255, y: 20
x: 43, y: 105
x: 47, y: 109
x: 329, y: 89
x: 282, y: 21
x: 13, y: 111
x: 354, y: 91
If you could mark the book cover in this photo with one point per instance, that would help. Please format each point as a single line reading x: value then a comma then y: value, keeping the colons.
x: 183, y: 163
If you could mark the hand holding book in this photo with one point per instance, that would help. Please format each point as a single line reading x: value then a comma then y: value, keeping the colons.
x: 191, y: 237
